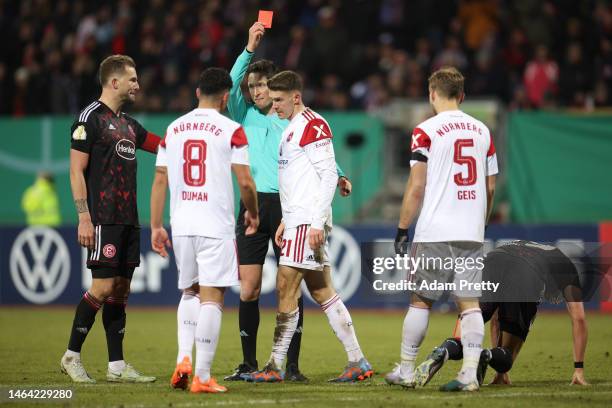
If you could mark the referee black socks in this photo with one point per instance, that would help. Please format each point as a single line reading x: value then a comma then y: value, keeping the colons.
x: 248, y: 323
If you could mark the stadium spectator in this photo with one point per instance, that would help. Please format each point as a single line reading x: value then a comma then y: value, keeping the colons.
x: 54, y: 46
x: 575, y: 77
x: 540, y: 78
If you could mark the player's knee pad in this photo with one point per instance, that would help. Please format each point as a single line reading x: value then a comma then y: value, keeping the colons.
x: 501, y: 359
x: 454, y: 348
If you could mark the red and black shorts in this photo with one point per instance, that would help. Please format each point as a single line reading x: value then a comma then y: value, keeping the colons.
x: 116, y: 251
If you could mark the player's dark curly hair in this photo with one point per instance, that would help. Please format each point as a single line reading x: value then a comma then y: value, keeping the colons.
x: 214, y: 81
x: 263, y: 68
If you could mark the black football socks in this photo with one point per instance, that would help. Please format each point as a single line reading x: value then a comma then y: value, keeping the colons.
x: 84, y: 318
x: 114, y: 319
x: 248, y: 323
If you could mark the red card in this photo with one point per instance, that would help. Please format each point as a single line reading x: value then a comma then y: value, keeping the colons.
x: 265, y: 18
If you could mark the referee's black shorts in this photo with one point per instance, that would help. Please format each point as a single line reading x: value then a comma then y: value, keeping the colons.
x: 252, y: 249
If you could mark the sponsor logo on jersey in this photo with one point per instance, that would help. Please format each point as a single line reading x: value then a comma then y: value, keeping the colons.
x: 126, y: 149
x: 79, y: 133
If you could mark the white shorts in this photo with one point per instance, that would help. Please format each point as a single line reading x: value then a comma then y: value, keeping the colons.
x: 207, y: 261
x: 296, y: 252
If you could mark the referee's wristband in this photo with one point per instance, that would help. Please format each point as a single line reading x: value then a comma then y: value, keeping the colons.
x: 578, y: 364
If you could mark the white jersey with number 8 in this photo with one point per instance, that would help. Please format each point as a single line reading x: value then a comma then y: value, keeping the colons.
x: 459, y: 152
x: 199, y: 149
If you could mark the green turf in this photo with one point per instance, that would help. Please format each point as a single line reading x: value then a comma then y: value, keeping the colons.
x: 32, y: 341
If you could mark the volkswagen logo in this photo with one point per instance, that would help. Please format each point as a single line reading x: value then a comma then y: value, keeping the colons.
x: 40, y: 264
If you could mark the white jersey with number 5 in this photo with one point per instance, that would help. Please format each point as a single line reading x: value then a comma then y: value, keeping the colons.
x: 459, y: 152
x: 199, y: 149
x: 306, y: 144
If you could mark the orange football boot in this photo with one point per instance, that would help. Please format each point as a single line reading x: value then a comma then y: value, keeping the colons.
x: 180, y: 377
x: 210, y: 386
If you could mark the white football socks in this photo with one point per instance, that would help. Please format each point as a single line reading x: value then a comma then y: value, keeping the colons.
x: 207, y: 337
x: 413, y: 333
x: 116, y: 367
x: 72, y: 354
x: 187, y: 320
x: 286, y: 324
x: 341, y: 323
x: 472, y: 334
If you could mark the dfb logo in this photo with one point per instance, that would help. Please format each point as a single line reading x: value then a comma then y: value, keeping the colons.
x: 40, y: 264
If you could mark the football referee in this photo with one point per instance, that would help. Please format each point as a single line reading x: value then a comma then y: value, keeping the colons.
x: 263, y: 129
x: 103, y: 180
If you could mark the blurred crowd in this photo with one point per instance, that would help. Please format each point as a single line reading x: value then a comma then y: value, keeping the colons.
x: 354, y: 54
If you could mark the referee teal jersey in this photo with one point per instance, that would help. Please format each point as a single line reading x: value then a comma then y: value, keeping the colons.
x: 263, y: 131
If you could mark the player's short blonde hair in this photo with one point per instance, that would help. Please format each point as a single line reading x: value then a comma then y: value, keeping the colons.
x: 447, y: 82
x: 285, y: 81
x: 113, y: 65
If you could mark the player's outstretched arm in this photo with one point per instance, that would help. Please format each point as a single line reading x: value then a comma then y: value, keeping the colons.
x: 78, y: 163
x: 248, y: 195
x: 159, y: 236
x: 579, y: 335
x: 237, y: 106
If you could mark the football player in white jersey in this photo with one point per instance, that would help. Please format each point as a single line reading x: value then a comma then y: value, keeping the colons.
x: 452, y: 182
x: 195, y: 160
x: 307, y: 182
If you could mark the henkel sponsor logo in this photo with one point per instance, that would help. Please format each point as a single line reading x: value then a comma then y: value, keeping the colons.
x: 126, y: 149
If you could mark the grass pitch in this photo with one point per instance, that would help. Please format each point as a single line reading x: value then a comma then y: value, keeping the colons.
x: 32, y: 341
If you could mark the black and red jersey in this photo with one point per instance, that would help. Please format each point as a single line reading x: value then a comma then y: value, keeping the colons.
x: 111, y: 141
